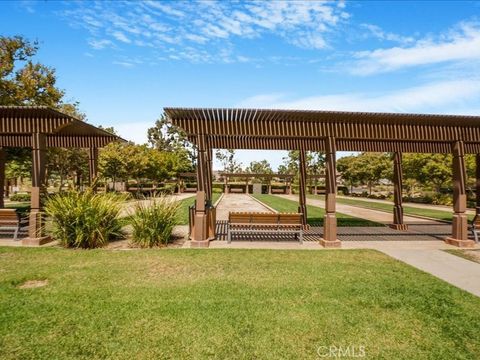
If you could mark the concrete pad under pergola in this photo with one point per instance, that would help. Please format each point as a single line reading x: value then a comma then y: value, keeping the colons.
x: 38, y: 128
x: 329, y: 132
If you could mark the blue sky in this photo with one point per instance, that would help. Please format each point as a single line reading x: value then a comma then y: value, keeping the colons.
x: 125, y: 61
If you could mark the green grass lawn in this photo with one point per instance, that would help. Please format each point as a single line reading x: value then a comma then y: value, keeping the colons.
x: 408, y: 210
x: 186, y: 203
x: 228, y: 304
x: 314, y: 213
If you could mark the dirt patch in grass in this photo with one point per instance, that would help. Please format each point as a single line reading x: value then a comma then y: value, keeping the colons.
x: 32, y: 284
x: 179, y: 236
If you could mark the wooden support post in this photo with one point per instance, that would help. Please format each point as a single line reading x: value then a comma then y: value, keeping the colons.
x: 330, y: 220
x: 36, y: 231
x: 302, y: 198
x: 460, y: 221
x: 209, y: 175
x: 3, y: 158
x: 92, y: 166
x: 200, y: 230
x: 477, y: 184
x: 398, y: 223
x: 246, y: 185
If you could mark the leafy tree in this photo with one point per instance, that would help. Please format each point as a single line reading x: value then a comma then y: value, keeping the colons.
x: 259, y: 167
x: 227, y: 158
x: 348, y: 172
x: 23, y: 81
x: 431, y: 170
x: 121, y: 162
x: 290, y: 163
x: 111, y: 162
x: 165, y: 136
x: 370, y: 168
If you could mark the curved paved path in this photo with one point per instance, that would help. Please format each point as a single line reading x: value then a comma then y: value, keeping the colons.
x: 409, y: 204
x: 368, y: 214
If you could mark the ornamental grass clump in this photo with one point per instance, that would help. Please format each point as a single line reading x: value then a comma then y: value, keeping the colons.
x: 153, y: 221
x: 85, y: 219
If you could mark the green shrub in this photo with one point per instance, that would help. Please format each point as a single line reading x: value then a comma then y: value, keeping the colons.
x: 20, y: 197
x: 85, y: 219
x: 153, y: 221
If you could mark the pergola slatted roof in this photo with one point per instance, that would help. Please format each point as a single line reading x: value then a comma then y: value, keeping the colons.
x: 354, y: 131
x: 18, y: 123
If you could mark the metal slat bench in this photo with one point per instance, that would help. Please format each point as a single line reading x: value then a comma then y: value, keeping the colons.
x: 10, y: 220
x: 475, y: 227
x: 265, y: 223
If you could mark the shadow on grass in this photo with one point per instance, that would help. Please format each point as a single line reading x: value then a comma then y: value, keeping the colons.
x: 351, y: 222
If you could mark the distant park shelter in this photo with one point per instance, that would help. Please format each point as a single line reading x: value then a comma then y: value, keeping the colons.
x: 329, y: 132
x: 38, y: 128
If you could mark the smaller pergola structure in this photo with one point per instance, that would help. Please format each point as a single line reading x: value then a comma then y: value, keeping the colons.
x: 329, y: 132
x: 38, y: 128
x: 266, y: 176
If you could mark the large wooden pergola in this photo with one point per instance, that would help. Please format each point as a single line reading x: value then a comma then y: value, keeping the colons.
x: 329, y: 132
x: 247, y: 176
x: 38, y: 128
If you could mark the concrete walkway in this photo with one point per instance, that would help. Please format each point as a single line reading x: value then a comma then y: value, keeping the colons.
x: 453, y: 269
x: 409, y: 204
x: 238, y: 202
x: 368, y: 214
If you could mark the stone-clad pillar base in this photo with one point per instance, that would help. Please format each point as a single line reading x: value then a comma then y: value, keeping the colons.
x: 400, y: 227
x: 329, y: 239
x: 330, y: 244
x: 36, y: 229
x: 200, y: 244
x: 36, y: 241
x: 459, y: 236
x: 460, y: 243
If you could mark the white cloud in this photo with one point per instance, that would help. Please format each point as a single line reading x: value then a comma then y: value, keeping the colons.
x: 121, y: 37
x: 207, y: 25
x: 436, y: 97
x: 99, y: 44
x: 380, y: 34
x: 459, y: 44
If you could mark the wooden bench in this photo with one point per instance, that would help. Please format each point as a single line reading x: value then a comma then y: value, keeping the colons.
x: 475, y: 227
x: 10, y: 220
x: 237, y: 190
x: 189, y: 190
x: 260, y: 222
x: 277, y: 191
